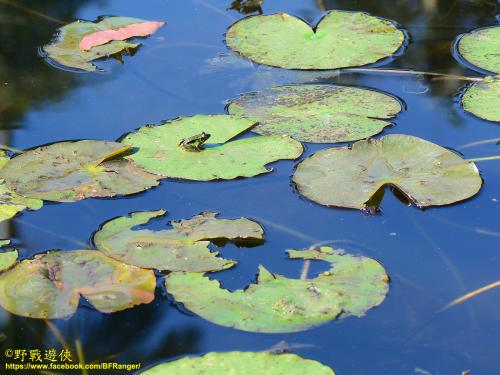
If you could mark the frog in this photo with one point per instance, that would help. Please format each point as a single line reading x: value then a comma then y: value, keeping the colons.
x: 195, y: 142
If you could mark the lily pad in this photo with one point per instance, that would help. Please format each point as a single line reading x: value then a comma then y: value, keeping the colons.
x: 241, y: 363
x: 483, y: 98
x: 182, y: 248
x: 49, y: 286
x: 70, y: 171
x: 195, y: 148
x: 340, y: 40
x: 480, y: 48
x: 7, y: 258
x: 10, y: 202
x: 427, y: 174
x: 317, y: 113
x: 278, y: 304
x: 80, y: 42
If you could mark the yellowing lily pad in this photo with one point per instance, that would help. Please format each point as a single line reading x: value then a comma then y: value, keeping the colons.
x: 481, y: 47
x: 182, y: 248
x: 341, y: 39
x: 317, y: 113
x: 80, y: 42
x: 276, y: 304
x: 427, y: 174
x: 198, y: 148
x: 7, y: 258
x: 241, y: 363
x: 482, y: 98
x: 10, y: 202
x: 70, y: 171
x: 49, y: 286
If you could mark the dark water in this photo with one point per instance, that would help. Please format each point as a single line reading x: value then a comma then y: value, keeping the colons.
x: 432, y: 256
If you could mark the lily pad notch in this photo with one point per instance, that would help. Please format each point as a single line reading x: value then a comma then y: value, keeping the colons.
x: 340, y: 40
x: 79, y: 43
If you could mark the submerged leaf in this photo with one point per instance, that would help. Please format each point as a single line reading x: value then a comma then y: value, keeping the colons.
x: 182, y: 248
x: 481, y: 48
x: 341, y: 39
x: 70, y: 171
x: 424, y: 172
x: 483, y: 98
x: 317, y: 113
x: 80, y: 42
x: 194, y: 148
x: 7, y: 258
x: 241, y: 363
x: 49, y: 286
x: 277, y: 304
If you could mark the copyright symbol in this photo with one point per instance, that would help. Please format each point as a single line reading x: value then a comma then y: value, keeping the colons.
x: 9, y: 352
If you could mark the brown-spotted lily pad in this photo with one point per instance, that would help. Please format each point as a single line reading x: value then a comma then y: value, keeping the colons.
x: 50, y: 285
x: 277, y: 304
x: 427, y: 174
x: 70, y: 171
x: 184, y: 247
x: 317, y: 113
x: 80, y: 42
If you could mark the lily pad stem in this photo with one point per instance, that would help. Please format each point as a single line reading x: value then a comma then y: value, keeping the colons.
x: 414, y: 72
x: 497, y: 157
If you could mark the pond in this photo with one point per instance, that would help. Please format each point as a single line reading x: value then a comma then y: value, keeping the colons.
x: 432, y: 255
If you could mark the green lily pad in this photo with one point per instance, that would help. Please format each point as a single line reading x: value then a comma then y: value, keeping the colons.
x: 483, y: 98
x: 340, y: 40
x: 10, y: 202
x: 7, y: 258
x: 241, y: 363
x: 427, y: 174
x: 480, y: 48
x: 195, y: 148
x: 100, y: 39
x: 317, y: 113
x: 49, y: 286
x: 182, y: 248
x: 277, y: 304
x: 70, y: 171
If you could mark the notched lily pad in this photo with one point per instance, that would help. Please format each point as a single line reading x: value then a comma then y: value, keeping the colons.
x: 198, y: 148
x: 277, y: 304
x: 241, y: 363
x: 10, y: 202
x: 340, y: 40
x: 182, y: 248
x: 70, y: 171
x: 481, y: 47
x: 317, y: 113
x: 482, y: 98
x: 80, y: 42
x: 49, y: 286
x: 7, y: 258
x: 427, y: 174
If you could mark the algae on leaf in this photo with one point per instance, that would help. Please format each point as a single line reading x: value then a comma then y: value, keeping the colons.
x: 70, y: 171
x: 241, y: 363
x: 277, y: 304
x: 49, y: 285
x: 340, y: 40
x: 164, y: 149
x: 483, y: 98
x: 182, y: 248
x: 481, y: 48
x: 427, y: 174
x: 317, y: 113
x: 80, y: 42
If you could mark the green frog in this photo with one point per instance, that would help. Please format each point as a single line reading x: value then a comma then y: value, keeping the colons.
x: 195, y: 142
